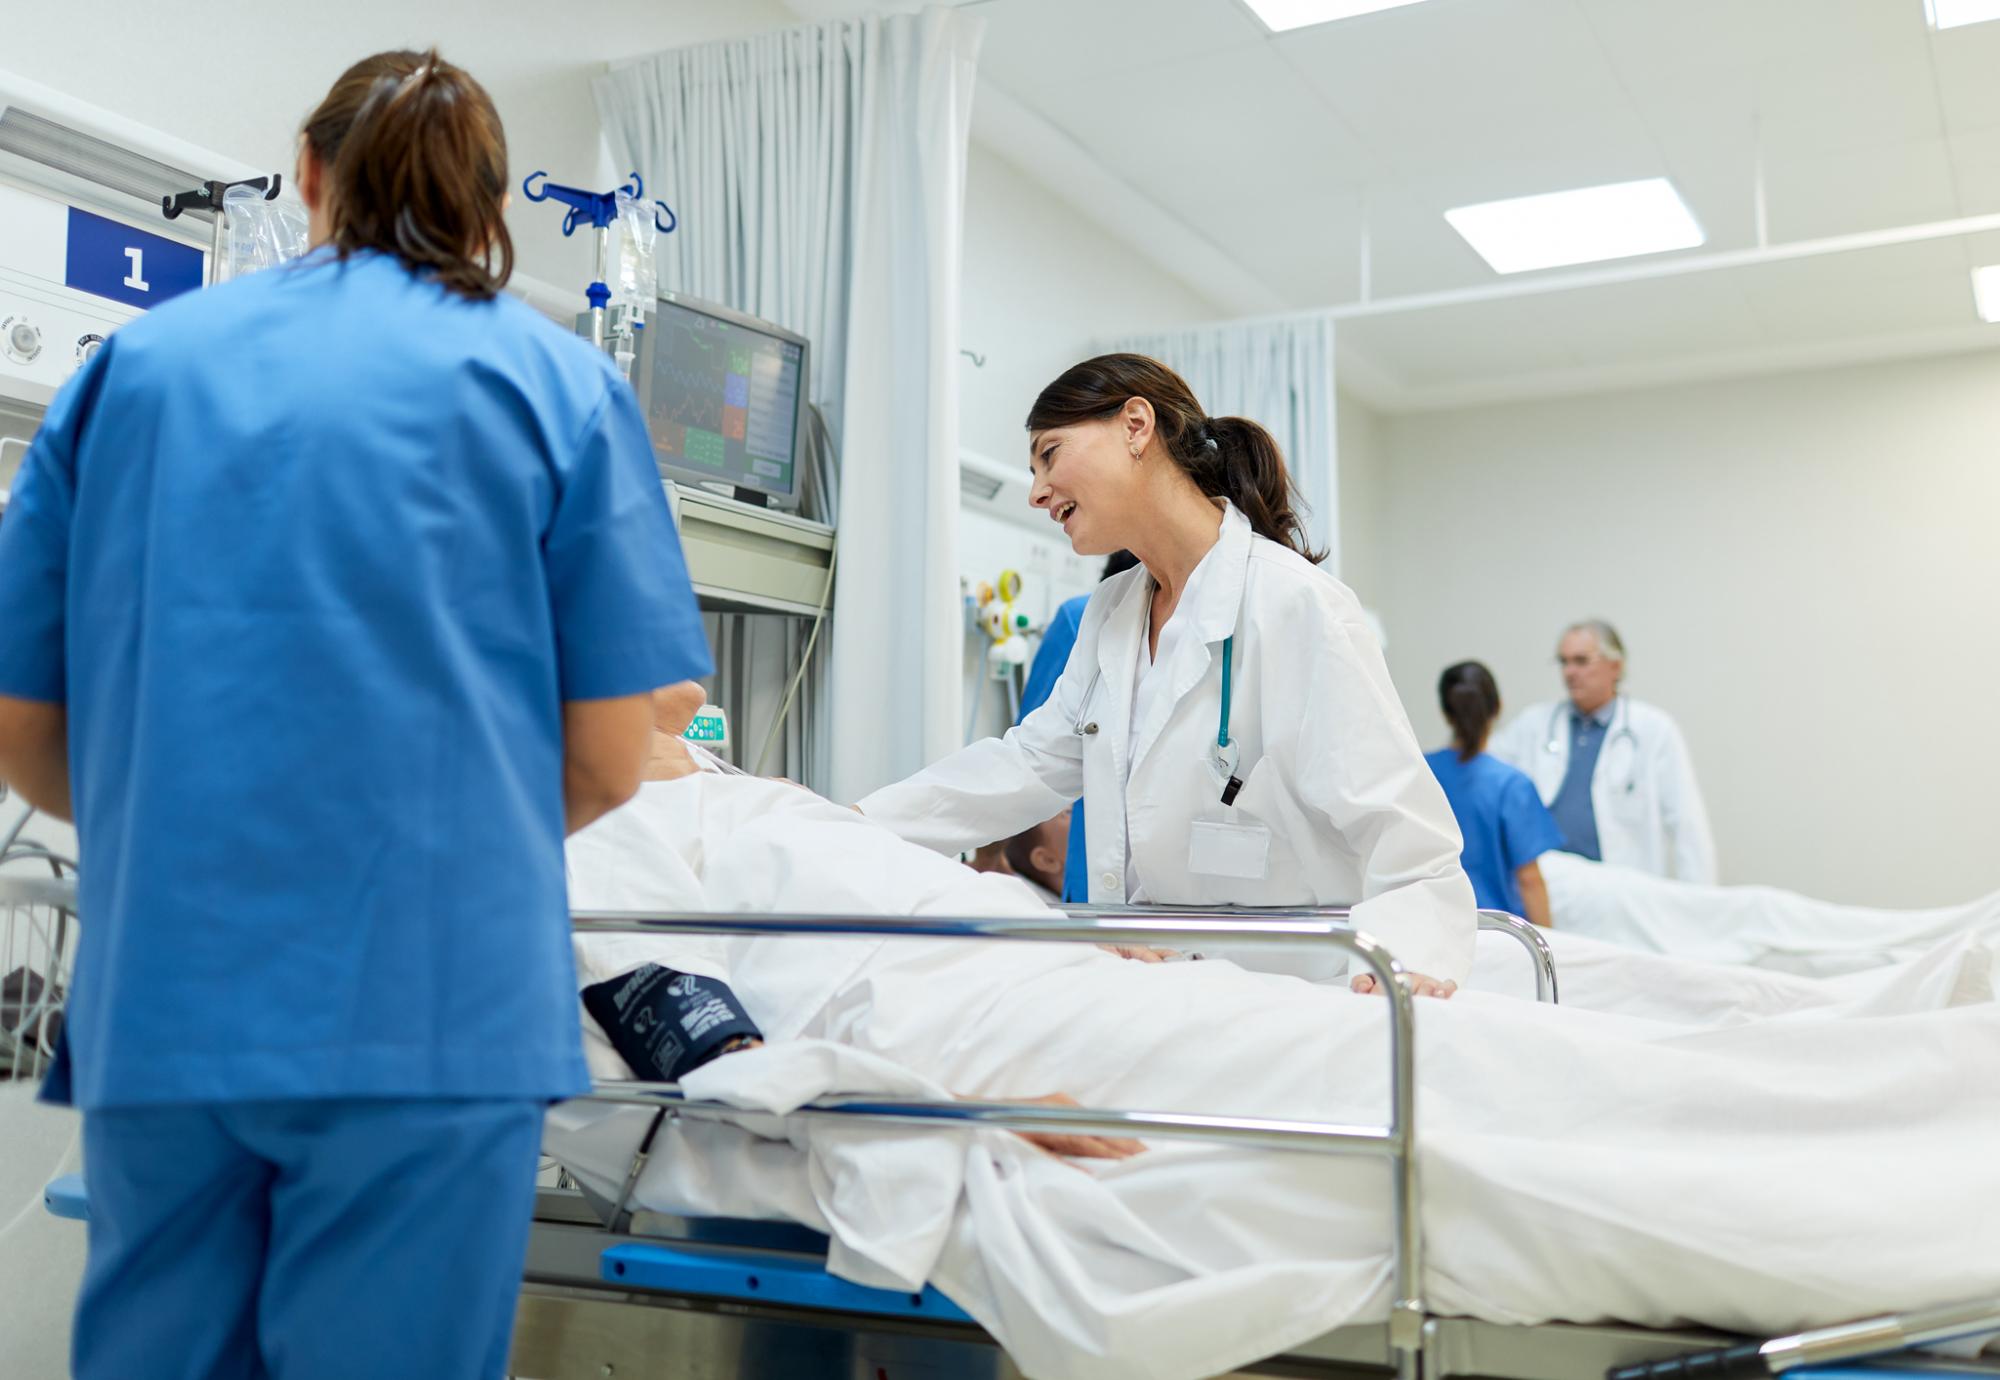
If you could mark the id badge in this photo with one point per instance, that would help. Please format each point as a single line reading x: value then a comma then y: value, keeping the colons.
x: 1229, y: 850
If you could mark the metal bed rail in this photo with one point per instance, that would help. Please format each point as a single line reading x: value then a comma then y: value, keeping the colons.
x: 37, y: 947
x: 1395, y: 1142
x: 1528, y: 936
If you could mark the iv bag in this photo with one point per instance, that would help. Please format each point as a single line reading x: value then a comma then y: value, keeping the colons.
x: 261, y: 234
x: 638, y: 284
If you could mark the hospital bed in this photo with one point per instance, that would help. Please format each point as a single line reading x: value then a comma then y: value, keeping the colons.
x: 611, y: 1290
x: 37, y: 944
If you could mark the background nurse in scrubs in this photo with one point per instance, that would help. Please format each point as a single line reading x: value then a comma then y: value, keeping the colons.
x: 1505, y: 824
x: 330, y: 599
x: 1225, y: 713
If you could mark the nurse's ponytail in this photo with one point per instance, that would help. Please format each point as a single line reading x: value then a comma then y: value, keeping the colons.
x: 414, y: 163
x: 1226, y: 457
x: 1470, y: 699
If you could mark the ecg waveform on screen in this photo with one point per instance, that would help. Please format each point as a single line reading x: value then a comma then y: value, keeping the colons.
x: 721, y: 403
x: 689, y: 375
x: 687, y: 397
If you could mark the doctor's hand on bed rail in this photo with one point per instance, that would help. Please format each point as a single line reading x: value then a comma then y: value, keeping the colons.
x: 1420, y: 985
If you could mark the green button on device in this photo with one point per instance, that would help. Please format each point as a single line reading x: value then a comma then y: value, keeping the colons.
x: 710, y: 728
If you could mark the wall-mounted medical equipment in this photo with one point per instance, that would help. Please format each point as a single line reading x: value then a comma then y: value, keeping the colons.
x: 83, y: 244
x: 729, y: 417
x: 990, y: 609
x: 622, y: 290
x: 725, y: 396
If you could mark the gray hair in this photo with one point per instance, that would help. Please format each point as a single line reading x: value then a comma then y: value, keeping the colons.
x: 1609, y: 644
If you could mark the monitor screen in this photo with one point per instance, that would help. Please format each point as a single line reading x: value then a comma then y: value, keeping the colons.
x: 724, y: 398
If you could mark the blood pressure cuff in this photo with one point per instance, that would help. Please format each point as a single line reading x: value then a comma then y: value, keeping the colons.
x: 667, y: 1024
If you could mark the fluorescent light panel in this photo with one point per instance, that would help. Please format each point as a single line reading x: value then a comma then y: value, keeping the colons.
x: 1280, y: 15
x: 1986, y: 291
x: 1950, y: 14
x: 1585, y: 226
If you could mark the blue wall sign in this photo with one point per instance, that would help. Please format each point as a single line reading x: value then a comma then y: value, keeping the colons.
x: 113, y: 260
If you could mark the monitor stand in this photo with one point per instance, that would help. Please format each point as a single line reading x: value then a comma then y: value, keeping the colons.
x: 751, y: 497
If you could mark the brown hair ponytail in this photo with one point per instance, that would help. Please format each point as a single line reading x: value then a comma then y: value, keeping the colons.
x: 1470, y: 699
x: 415, y: 165
x: 1226, y: 457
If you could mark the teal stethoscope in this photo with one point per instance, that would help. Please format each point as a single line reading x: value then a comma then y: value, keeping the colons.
x: 1226, y: 757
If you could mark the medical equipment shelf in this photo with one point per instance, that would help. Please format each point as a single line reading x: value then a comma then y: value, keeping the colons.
x: 742, y: 559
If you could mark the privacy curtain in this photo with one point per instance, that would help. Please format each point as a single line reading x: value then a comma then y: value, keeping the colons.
x: 819, y: 176
x: 1280, y: 374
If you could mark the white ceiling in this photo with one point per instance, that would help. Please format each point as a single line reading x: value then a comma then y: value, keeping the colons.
x: 1278, y: 150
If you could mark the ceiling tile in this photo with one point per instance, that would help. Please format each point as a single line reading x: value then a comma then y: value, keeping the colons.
x: 1190, y: 135
x: 1820, y: 299
x: 1975, y: 160
x: 1031, y: 43
x: 1446, y: 345
x: 1966, y: 61
x: 1652, y: 320
x: 1866, y: 187
x: 1837, y: 73
x: 1433, y: 78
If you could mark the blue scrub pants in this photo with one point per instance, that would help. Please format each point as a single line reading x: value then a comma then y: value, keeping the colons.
x: 309, y: 1239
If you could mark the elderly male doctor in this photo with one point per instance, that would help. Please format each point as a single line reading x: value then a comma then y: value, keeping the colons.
x: 1613, y: 770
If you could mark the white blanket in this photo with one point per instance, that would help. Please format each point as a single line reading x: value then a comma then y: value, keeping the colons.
x: 1758, y: 925
x: 1786, y: 1169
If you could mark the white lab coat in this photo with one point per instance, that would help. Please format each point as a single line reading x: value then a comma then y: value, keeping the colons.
x: 1337, y: 807
x: 1650, y: 814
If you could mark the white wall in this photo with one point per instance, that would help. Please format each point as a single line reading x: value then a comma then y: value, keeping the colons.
x: 1804, y: 568
x: 1362, y: 448
x: 1041, y: 286
x: 239, y: 77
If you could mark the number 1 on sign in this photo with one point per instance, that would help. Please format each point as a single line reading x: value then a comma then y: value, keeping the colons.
x: 137, y: 277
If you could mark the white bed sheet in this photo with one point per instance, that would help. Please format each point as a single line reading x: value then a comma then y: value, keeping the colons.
x: 1757, y: 925
x: 1762, y: 1163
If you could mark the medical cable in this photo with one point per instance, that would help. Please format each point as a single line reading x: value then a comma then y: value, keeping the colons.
x: 819, y: 619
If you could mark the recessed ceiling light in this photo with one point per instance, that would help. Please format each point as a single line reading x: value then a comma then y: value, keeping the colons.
x: 1986, y: 291
x: 1949, y: 14
x: 1579, y: 227
x: 1280, y: 15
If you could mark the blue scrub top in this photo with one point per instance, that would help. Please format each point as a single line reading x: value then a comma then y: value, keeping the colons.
x: 1504, y: 822
x: 1050, y: 658
x: 314, y: 558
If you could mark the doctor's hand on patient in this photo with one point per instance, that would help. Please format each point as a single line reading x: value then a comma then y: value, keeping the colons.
x: 1420, y: 986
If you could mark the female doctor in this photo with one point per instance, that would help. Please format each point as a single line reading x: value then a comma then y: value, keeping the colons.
x: 329, y: 599
x: 1225, y: 713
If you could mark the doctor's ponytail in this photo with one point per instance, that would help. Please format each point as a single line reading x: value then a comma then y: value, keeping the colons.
x: 414, y: 164
x: 1226, y: 457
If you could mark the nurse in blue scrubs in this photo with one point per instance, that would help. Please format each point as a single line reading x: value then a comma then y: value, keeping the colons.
x: 330, y: 600
x: 1050, y: 658
x: 1501, y: 815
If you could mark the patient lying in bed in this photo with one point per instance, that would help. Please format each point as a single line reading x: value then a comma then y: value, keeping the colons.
x: 1774, y: 1171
